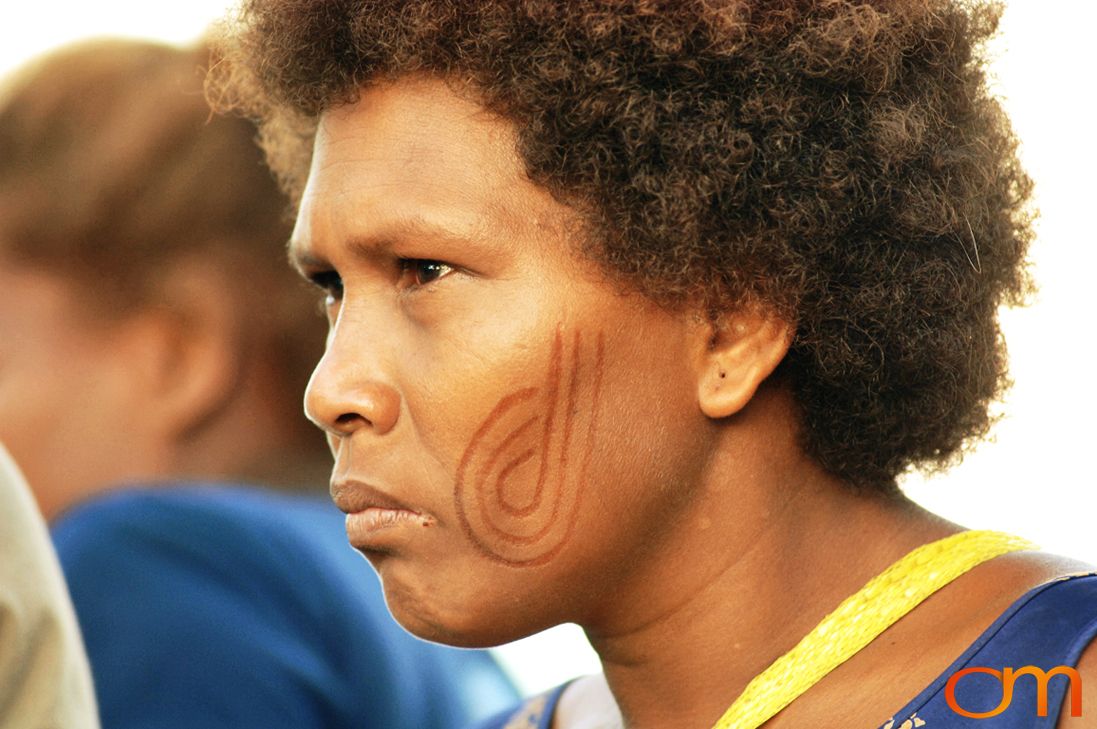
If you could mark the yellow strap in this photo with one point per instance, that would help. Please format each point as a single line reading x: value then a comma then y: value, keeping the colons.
x: 860, y: 618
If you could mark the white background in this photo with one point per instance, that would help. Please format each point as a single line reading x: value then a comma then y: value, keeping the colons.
x: 1036, y: 479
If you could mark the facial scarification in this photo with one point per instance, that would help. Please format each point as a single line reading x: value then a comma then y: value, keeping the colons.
x: 520, y: 482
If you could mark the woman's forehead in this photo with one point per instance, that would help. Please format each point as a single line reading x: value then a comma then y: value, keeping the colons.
x: 419, y: 119
x: 413, y: 155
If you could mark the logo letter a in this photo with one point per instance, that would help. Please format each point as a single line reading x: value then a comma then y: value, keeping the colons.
x: 950, y: 693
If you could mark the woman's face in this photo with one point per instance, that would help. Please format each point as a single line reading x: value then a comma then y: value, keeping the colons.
x: 70, y: 412
x: 512, y: 434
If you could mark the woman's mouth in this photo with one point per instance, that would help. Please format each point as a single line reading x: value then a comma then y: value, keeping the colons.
x: 363, y: 525
x: 373, y: 517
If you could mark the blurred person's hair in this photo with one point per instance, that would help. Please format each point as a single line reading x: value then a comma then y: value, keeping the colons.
x: 113, y: 171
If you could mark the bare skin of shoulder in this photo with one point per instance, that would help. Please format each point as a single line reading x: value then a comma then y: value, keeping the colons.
x: 891, y: 670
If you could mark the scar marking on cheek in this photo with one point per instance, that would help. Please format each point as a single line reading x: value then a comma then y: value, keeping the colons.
x: 518, y: 492
x: 501, y: 484
x: 508, y: 442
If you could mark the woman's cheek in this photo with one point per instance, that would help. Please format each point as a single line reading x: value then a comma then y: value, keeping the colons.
x: 521, y: 480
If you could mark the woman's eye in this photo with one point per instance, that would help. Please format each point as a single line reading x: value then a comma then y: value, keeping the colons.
x: 331, y: 283
x: 421, y: 271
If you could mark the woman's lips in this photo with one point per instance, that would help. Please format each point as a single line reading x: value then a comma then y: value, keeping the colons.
x: 354, y: 496
x: 364, y: 525
x: 373, y: 515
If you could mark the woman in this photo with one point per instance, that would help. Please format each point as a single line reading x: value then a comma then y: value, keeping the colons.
x: 153, y: 348
x: 637, y: 311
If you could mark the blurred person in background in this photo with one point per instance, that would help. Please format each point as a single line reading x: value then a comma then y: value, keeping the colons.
x: 153, y: 351
x: 44, y: 675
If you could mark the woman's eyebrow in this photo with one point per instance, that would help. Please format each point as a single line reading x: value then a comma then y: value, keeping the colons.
x: 383, y: 238
x: 399, y: 230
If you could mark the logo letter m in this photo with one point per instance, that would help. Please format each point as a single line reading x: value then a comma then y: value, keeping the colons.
x: 1008, y: 677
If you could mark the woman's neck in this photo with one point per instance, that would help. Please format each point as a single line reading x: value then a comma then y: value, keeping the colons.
x: 767, y: 549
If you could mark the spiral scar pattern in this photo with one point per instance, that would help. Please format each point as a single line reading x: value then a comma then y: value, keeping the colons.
x: 520, y: 481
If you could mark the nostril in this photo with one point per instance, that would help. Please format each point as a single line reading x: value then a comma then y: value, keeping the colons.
x: 347, y: 419
x: 344, y: 408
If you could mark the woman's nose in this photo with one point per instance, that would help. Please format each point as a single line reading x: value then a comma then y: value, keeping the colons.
x: 344, y: 395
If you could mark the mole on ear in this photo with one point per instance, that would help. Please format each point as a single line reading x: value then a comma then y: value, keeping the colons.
x: 745, y: 347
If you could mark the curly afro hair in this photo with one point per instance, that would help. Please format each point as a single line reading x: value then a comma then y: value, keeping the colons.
x: 840, y: 161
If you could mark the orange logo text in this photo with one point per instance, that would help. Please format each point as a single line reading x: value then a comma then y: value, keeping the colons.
x: 1007, y: 677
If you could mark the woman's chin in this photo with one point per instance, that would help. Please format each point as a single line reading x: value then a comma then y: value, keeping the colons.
x: 458, y: 630
x: 464, y: 621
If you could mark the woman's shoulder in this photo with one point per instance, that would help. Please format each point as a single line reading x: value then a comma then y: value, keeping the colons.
x: 1049, y: 631
x: 1044, y: 615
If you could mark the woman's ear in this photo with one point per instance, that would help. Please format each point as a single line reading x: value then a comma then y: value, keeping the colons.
x: 743, y: 348
x: 192, y: 349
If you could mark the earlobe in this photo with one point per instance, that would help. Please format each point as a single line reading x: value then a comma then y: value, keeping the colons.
x: 743, y: 350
